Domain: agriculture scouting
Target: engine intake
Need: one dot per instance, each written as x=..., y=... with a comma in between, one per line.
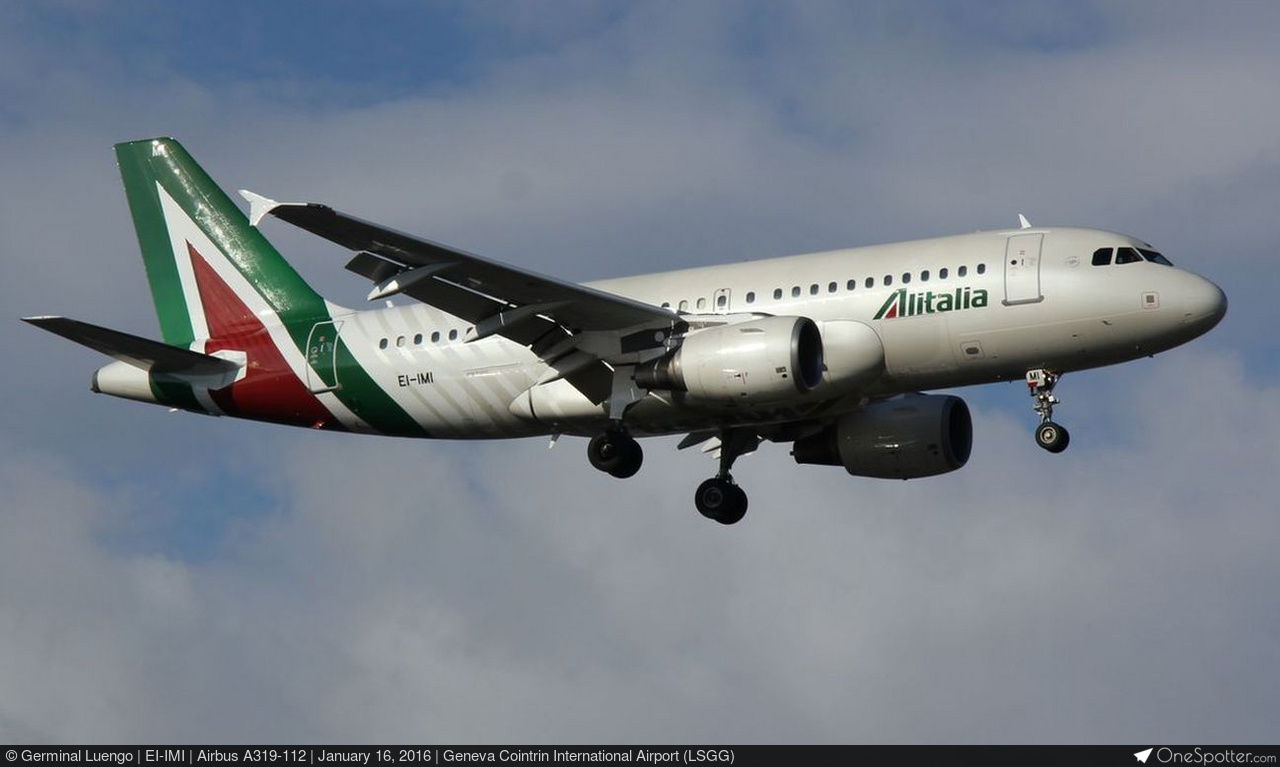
x=916, y=435
x=768, y=359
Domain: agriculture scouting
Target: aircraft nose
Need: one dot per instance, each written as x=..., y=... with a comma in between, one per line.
x=1204, y=304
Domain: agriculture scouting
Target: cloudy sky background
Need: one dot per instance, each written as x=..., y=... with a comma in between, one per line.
x=168, y=577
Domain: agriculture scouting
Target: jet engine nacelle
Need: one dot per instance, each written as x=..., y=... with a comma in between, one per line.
x=769, y=359
x=915, y=435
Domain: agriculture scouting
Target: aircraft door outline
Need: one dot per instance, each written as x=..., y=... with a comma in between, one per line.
x=1022, y=269
x=721, y=300
x=322, y=357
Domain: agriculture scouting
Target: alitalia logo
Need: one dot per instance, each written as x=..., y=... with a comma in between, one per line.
x=900, y=303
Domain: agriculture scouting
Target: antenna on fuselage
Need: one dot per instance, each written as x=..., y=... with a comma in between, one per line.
x=1023, y=222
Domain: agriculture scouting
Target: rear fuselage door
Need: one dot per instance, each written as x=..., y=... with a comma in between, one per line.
x=1022, y=269
x=322, y=357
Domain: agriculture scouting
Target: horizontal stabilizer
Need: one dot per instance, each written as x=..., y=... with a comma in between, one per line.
x=140, y=352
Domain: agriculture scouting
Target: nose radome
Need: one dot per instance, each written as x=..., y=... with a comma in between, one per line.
x=1204, y=304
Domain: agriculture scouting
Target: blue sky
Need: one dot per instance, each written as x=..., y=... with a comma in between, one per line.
x=321, y=587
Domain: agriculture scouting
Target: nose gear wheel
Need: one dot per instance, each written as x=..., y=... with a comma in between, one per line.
x=1049, y=435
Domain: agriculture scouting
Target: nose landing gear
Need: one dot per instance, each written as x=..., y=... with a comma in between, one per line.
x=1049, y=435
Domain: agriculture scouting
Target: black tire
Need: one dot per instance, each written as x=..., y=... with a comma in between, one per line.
x=720, y=500
x=615, y=453
x=632, y=459
x=1052, y=437
x=737, y=509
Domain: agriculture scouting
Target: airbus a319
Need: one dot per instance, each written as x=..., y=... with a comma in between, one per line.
x=830, y=352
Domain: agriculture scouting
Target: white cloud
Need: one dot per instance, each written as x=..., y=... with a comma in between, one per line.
x=451, y=592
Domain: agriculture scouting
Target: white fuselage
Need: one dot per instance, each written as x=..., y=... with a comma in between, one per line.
x=969, y=309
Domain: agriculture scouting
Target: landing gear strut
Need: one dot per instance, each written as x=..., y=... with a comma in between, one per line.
x=1049, y=435
x=616, y=453
x=720, y=498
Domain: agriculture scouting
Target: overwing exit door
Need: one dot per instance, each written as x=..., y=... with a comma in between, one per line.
x=720, y=301
x=1022, y=269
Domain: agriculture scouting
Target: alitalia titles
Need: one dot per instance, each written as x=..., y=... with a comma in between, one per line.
x=900, y=303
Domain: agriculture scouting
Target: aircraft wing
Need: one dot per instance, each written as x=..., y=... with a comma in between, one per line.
x=497, y=297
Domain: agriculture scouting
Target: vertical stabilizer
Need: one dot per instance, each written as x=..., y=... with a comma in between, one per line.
x=211, y=273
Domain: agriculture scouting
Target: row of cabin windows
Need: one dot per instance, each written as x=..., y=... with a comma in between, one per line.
x=722, y=300
x=418, y=339
x=1102, y=256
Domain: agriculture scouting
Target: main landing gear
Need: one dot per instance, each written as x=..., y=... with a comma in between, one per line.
x=720, y=498
x=1049, y=435
x=616, y=453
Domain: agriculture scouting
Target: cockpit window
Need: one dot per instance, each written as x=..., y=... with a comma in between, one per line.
x=1102, y=257
x=1155, y=257
x=1127, y=256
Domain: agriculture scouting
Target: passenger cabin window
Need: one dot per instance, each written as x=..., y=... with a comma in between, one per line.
x=382, y=344
x=833, y=287
x=777, y=294
x=795, y=292
x=906, y=277
x=453, y=334
x=702, y=303
x=924, y=276
x=1155, y=257
x=813, y=289
x=721, y=300
x=1102, y=257
x=435, y=337
x=942, y=273
x=1127, y=256
x=870, y=283
x=982, y=268
x=962, y=271
x=400, y=341
x=751, y=296
x=666, y=304
x=888, y=280
x=851, y=285
x=684, y=305
x=417, y=340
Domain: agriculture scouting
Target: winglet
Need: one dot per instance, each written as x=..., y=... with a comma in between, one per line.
x=1022, y=220
x=259, y=206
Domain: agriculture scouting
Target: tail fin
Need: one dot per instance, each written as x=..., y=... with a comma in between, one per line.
x=211, y=273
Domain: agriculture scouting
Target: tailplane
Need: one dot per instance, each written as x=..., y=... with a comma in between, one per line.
x=144, y=368
x=141, y=353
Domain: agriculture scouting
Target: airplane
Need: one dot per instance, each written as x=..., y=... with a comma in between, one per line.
x=831, y=352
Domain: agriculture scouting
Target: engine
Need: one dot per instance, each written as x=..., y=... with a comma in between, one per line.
x=915, y=435
x=768, y=359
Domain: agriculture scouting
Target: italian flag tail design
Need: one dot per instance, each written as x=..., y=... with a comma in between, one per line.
x=220, y=286
x=184, y=220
